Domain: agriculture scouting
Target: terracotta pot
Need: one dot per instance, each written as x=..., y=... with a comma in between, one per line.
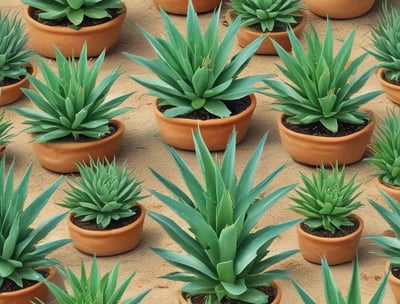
x=12, y=92
x=107, y=242
x=391, y=90
x=61, y=157
x=339, y=9
x=336, y=250
x=394, y=283
x=177, y=132
x=180, y=7
x=246, y=35
x=314, y=150
x=393, y=191
x=42, y=38
x=277, y=299
x=29, y=294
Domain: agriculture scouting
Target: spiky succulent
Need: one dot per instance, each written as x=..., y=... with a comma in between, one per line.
x=386, y=149
x=321, y=85
x=270, y=15
x=13, y=57
x=385, y=42
x=5, y=128
x=104, y=192
x=22, y=247
x=225, y=256
x=92, y=287
x=195, y=72
x=332, y=292
x=326, y=200
x=74, y=10
x=70, y=103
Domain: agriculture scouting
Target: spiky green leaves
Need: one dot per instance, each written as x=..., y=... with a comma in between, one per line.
x=197, y=72
x=74, y=10
x=104, y=192
x=5, y=130
x=321, y=86
x=225, y=257
x=70, y=102
x=326, y=200
x=271, y=15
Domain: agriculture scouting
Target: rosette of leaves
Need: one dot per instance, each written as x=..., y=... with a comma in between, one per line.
x=224, y=256
x=5, y=130
x=13, y=57
x=385, y=39
x=326, y=200
x=23, y=249
x=196, y=72
x=321, y=86
x=92, y=287
x=270, y=15
x=74, y=10
x=386, y=149
x=69, y=102
x=104, y=192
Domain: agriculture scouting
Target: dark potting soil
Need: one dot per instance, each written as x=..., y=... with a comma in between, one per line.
x=346, y=230
x=9, y=285
x=114, y=224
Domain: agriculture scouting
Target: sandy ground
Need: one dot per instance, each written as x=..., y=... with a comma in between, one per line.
x=143, y=148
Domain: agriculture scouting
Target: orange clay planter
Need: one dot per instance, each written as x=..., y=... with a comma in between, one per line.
x=314, y=150
x=107, y=242
x=42, y=38
x=180, y=7
x=12, y=92
x=394, y=283
x=277, y=300
x=336, y=250
x=61, y=156
x=391, y=90
x=177, y=132
x=29, y=294
x=339, y=9
x=393, y=191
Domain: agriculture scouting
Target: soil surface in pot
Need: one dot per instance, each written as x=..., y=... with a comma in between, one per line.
x=114, y=224
x=9, y=81
x=9, y=286
x=396, y=272
x=346, y=230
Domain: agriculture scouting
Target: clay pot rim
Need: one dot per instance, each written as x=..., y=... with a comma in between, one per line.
x=381, y=182
x=334, y=240
x=327, y=139
x=209, y=122
x=381, y=78
x=23, y=80
x=68, y=30
x=96, y=233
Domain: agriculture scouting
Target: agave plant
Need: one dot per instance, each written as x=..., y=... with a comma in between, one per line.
x=196, y=72
x=385, y=39
x=104, y=192
x=70, y=103
x=270, y=15
x=225, y=258
x=74, y=10
x=321, y=85
x=326, y=200
x=13, y=57
x=5, y=130
x=92, y=287
x=386, y=149
x=22, y=246
x=332, y=292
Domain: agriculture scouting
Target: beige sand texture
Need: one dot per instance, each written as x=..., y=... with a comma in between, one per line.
x=143, y=148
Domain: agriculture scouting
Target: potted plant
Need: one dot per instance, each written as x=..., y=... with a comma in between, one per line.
x=23, y=248
x=385, y=38
x=269, y=18
x=92, y=287
x=69, y=24
x=73, y=121
x=105, y=215
x=180, y=7
x=321, y=121
x=225, y=257
x=385, y=154
x=198, y=86
x=332, y=292
x=5, y=132
x=15, y=60
x=389, y=243
x=339, y=9
x=330, y=229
